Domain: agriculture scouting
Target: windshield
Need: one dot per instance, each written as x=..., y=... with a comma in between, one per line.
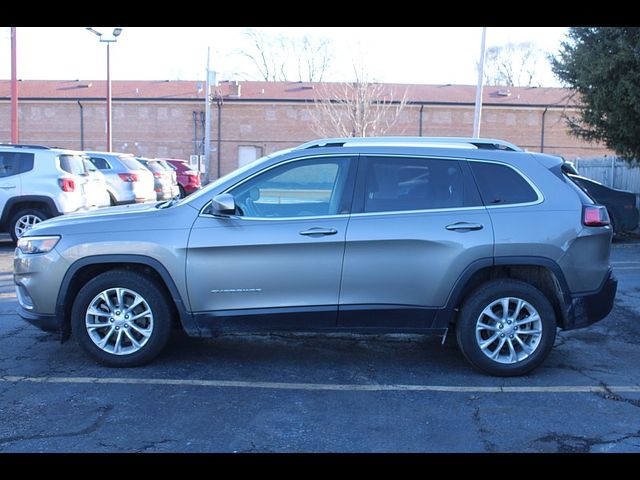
x=72, y=164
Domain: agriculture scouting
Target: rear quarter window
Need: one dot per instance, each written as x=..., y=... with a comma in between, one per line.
x=131, y=163
x=100, y=163
x=501, y=185
x=72, y=164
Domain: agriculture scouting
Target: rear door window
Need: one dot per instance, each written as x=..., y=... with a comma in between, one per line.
x=501, y=185
x=398, y=184
x=13, y=163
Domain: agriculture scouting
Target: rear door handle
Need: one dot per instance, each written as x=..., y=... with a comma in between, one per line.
x=7, y=187
x=464, y=226
x=318, y=232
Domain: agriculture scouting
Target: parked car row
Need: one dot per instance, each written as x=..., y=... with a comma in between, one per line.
x=39, y=182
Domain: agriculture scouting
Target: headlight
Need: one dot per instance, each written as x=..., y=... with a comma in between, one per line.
x=41, y=244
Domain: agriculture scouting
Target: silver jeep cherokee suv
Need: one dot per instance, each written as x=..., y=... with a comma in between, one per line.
x=366, y=235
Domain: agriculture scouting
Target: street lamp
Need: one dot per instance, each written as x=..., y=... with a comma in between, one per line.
x=108, y=41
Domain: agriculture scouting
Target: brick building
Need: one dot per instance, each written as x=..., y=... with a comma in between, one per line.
x=166, y=118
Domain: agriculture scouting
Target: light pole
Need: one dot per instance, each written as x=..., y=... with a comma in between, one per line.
x=108, y=41
x=478, y=110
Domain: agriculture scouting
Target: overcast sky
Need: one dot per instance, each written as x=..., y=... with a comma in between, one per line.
x=404, y=55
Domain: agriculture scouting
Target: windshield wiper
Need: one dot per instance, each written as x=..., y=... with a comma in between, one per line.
x=168, y=203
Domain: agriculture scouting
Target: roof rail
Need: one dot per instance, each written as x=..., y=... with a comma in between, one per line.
x=440, y=142
x=19, y=145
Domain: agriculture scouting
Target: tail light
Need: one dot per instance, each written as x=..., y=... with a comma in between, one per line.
x=128, y=177
x=67, y=184
x=595, y=216
x=157, y=174
x=194, y=178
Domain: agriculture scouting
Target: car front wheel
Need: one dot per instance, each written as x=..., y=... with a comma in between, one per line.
x=121, y=319
x=506, y=328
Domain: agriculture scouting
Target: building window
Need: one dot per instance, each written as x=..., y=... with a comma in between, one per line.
x=247, y=154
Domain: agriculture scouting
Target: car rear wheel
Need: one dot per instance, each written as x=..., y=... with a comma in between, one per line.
x=121, y=319
x=506, y=328
x=23, y=220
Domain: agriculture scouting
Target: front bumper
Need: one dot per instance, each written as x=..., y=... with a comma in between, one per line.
x=48, y=323
x=587, y=309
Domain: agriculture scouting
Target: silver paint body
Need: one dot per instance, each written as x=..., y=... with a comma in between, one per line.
x=404, y=258
x=126, y=192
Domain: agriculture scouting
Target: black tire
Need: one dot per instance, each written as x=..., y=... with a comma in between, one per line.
x=152, y=295
x=112, y=200
x=484, y=296
x=22, y=213
x=182, y=191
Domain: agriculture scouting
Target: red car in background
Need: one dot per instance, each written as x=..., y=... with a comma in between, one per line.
x=188, y=179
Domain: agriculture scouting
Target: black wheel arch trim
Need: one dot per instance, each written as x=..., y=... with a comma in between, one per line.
x=186, y=319
x=13, y=201
x=446, y=315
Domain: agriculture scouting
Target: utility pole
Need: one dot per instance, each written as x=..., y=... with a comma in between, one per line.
x=207, y=123
x=14, y=90
x=478, y=110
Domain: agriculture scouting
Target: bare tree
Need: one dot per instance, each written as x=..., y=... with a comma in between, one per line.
x=281, y=58
x=314, y=57
x=357, y=109
x=512, y=64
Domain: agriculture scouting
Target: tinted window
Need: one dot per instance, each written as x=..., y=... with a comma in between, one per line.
x=165, y=165
x=501, y=185
x=154, y=167
x=297, y=189
x=72, y=164
x=131, y=163
x=400, y=184
x=90, y=167
x=13, y=163
x=101, y=163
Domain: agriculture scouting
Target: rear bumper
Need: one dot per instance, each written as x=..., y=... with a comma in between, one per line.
x=587, y=309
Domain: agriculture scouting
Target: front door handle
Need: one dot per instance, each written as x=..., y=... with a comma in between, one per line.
x=464, y=226
x=319, y=232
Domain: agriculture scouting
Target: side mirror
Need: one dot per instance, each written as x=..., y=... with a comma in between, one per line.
x=223, y=204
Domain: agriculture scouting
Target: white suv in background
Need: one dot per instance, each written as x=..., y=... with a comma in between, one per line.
x=37, y=183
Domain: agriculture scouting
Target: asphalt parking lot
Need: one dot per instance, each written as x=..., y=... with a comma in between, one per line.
x=308, y=393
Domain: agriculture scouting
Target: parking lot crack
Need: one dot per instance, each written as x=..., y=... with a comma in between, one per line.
x=13, y=332
x=152, y=445
x=103, y=412
x=483, y=432
x=608, y=394
x=581, y=444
